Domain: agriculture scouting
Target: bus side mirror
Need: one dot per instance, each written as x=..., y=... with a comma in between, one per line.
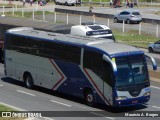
x=113, y=64
x=154, y=64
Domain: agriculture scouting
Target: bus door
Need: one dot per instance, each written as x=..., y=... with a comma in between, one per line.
x=98, y=73
x=109, y=70
x=107, y=81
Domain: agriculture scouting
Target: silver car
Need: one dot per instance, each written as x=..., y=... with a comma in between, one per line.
x=128, y=16
x=154, y=47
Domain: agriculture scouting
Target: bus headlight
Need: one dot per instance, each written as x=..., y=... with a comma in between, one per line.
x=147, y=94
x=121, y=98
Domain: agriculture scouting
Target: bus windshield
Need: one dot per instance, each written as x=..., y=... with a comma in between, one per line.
x=132, y=70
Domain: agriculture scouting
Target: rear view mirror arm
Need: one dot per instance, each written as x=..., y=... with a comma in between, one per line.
x=154, y=64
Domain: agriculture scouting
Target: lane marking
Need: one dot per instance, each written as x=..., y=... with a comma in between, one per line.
x=155, y=87
x=25, y=93
x=102, y=115
x=19, y=109
x=61, y=103
x=1, y=85
x=156, y=107
x=46, y=118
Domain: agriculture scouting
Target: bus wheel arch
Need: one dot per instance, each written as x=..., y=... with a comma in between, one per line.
x=89, y=97
x=28, y=80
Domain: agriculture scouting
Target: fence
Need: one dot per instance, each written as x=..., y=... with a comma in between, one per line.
x=48, y=15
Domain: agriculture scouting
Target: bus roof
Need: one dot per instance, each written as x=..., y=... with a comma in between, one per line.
x=106, y=45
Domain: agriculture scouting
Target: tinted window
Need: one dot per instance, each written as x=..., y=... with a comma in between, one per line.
x=135, y=13
x=127, y=13
x=24, y=44
x=124, y=13
x=94, y=62
x=35, y=46
x=62, y=52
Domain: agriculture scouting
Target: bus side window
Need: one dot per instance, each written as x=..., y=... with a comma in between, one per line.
x=23, y=44
x=63, y=52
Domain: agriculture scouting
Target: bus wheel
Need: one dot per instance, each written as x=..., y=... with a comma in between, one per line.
x=28, y=81
x=89, y=98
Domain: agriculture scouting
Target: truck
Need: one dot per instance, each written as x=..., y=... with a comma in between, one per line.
x=91, y=29
x=66, y=2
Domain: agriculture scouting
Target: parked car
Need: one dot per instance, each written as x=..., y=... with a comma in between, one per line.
x=154, y=47
x=128, y=16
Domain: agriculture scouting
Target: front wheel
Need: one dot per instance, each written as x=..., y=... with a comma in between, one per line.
x=128, y=21
x=115, y=20
x=89, y=98
x=150, y=50
x=28, y=81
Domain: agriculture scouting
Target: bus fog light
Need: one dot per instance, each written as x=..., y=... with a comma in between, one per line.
x=121, y=98
x=147, y=94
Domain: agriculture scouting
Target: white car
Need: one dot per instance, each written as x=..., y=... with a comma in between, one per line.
x=154, y=47
x=128, y=16
x=91, y=29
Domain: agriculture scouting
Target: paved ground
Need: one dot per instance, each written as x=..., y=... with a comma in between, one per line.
x=147, y=12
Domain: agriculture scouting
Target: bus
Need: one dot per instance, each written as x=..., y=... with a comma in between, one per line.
x=95, y=69
x=91, y=29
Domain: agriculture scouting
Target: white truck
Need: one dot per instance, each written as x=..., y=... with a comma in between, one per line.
x=66, y=2
x=92, y=30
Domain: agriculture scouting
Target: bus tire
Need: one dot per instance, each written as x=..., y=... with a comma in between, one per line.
x=89, y=98
x=28, y=81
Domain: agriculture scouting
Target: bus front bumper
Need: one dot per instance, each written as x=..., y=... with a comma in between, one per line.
x=131, y=101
